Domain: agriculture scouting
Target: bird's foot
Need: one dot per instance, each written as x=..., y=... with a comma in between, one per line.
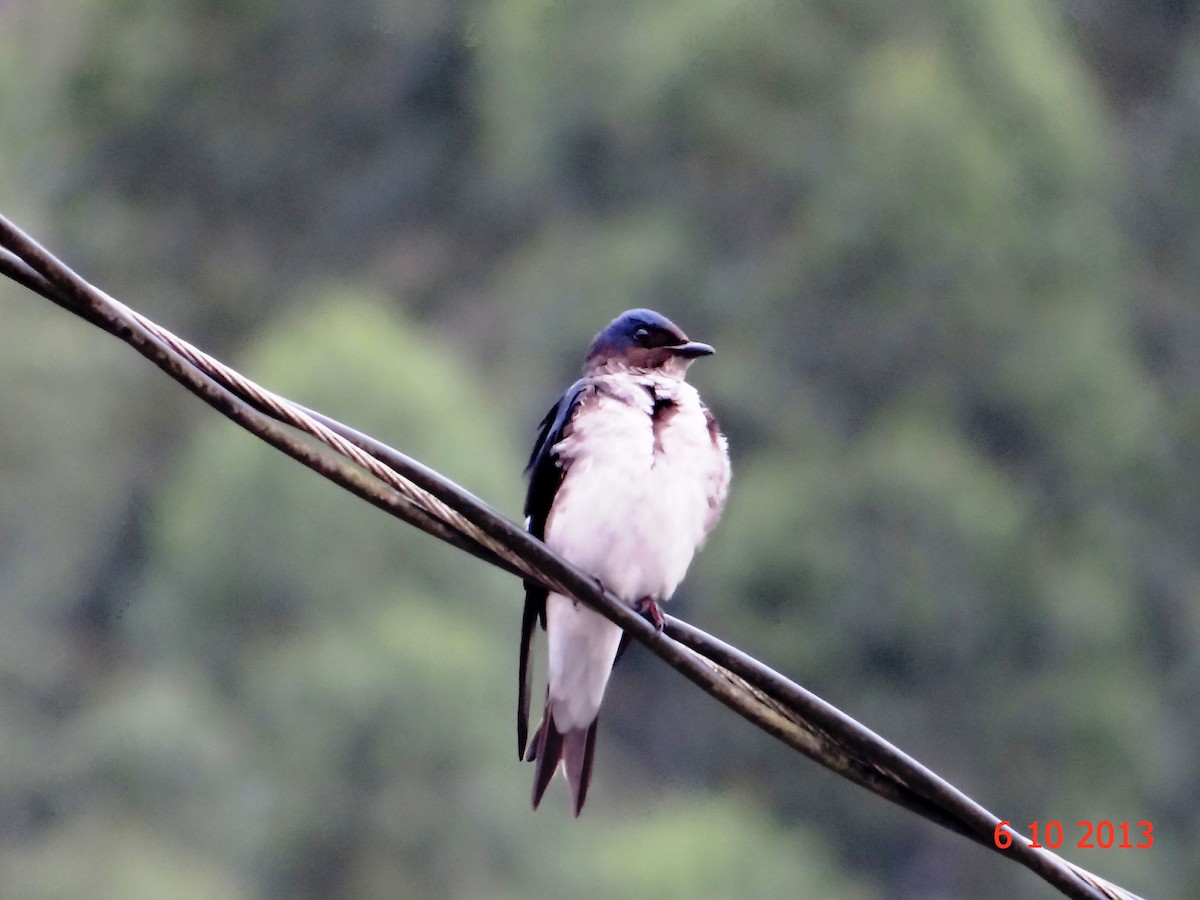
x=648, y=607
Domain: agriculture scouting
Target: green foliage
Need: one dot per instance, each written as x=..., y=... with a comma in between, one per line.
x=709, y=847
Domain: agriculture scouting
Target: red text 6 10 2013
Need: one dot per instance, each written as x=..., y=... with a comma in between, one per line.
x=1103, y=834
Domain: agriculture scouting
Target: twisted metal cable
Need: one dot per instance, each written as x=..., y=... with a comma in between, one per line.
x=292, y=414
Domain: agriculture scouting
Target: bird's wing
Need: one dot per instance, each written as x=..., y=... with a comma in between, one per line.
x=545, y=476
x=718, y=475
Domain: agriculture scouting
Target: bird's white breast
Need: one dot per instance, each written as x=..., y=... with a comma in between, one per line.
x=640, y=491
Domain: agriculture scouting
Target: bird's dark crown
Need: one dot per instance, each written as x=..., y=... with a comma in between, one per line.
x=642, y=338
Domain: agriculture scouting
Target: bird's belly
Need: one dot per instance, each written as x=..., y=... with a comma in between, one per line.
x=632, y=520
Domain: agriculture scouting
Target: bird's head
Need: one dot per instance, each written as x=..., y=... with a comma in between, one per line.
x=643, y=339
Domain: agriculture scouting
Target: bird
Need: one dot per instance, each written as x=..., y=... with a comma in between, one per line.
x=628, y=475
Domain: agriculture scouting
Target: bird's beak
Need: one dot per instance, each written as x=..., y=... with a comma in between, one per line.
x=692, y=349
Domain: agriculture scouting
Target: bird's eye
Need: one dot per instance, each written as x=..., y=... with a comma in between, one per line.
x=641, y=334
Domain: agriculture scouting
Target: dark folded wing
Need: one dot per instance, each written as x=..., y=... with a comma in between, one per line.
x=545, y=476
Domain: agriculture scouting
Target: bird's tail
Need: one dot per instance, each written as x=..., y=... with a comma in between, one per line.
x=573, y=748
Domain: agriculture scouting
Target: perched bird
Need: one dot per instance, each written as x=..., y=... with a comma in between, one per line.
x=627, y=477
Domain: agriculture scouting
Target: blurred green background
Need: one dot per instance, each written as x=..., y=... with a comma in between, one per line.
x=947, y=251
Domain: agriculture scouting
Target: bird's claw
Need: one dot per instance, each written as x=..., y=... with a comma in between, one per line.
x=648, y=607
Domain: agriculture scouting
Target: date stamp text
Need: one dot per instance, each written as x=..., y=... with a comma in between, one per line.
x=1103, y=834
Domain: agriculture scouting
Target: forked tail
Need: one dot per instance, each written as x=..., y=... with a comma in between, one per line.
x=573, y=748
